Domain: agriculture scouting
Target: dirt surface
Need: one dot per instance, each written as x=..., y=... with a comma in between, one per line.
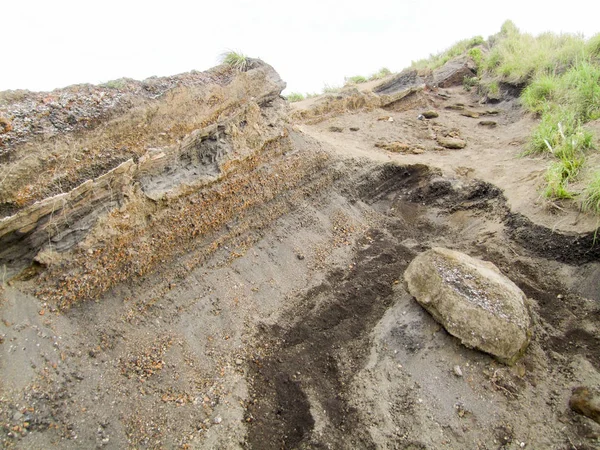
x=296, y=330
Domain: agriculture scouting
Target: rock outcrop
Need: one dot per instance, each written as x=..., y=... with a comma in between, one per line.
x=217, y=172
x=473, y=300
x=405, y=84
x=235, y=130
x=454, y=72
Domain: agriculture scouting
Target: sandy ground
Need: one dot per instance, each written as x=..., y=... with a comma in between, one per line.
x=300, y=333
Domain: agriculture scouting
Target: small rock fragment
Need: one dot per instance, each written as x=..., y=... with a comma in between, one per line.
x=471, y=114
x=395, y=146
x=217, y=420
x=5, y=125
x=457, y=371
x=451, y=142
x=354, y=128
x=430, y=114
x=586, y=401
x=335, y=129
x=488, y=123
x=456, y=107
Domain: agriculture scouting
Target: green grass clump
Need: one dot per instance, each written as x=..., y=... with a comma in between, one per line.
x=120, y=83
x=591, y=195
x=542, y=90
x=518, y=58
x=327, y=89
x=357, y=79
x=476, y=55
x=458, y=49
x=295, y=97
x=581, y=90
x=557, y=182
x=593, y=46
x=469, y=82
x=236, y=60
x=382, y=73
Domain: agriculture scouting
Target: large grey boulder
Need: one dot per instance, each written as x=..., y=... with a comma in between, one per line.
x=473, y=300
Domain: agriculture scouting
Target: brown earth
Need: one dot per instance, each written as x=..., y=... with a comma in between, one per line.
x=244, y=289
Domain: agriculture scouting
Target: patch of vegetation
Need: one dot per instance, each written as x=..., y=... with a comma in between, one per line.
x=469, y=83
x=295, y=97
x=120, y=83
x=328, y=89
x=593, y=46
x=357, y=79
x=476, y=55
x=382, y=73
x=557, y=182
x=591, y=195
x=236, y=60
x=458, y=49
x=542, y=90
x=518, y=58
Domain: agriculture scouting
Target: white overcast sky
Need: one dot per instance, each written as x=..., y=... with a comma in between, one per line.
x=54, y=43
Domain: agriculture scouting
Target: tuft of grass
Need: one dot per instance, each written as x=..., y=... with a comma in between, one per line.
x=593, y=46
x=542, y=90
x=295, y=97
x=557, y=185
x=509, y=28
x=357, y=79
x=120, y=83
x=476, y=55
x=494, y=88
x=236, y=60
x=458, y=49
x=328, y=89
x=591, y=195
x=469, y=83
x=382, y=73
x=519, y=58
x=581, y=90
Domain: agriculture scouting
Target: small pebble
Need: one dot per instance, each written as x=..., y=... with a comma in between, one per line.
x=457, y=371
x=217, y=420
